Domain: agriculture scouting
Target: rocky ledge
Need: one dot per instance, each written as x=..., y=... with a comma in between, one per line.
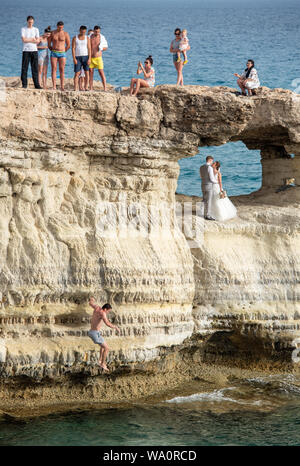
x=88, y=207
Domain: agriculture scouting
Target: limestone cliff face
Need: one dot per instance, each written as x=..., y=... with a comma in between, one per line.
x=80, y=171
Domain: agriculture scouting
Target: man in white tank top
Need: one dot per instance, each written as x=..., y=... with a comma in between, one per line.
x=81, y=50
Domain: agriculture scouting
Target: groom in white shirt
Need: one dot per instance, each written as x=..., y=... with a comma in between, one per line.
x=208, y=180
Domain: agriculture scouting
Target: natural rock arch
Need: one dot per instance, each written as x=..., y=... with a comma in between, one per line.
x=237, y=162
x=269, y=122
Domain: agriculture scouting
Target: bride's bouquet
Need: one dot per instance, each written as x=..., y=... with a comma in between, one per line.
x=223, y=194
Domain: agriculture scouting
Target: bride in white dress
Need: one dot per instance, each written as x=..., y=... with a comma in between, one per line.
x=221, y=207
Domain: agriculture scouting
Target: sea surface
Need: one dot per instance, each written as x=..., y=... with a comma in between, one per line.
x=258, y=411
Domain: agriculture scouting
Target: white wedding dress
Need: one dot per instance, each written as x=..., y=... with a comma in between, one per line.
x=221, y=209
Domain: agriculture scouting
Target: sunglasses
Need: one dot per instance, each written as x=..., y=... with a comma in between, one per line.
x=177, y=33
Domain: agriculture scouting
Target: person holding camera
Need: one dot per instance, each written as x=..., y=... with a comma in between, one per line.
x=149, y=76
x=248, y=80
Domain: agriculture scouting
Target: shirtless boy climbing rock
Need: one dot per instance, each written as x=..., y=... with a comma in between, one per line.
x=99, y=316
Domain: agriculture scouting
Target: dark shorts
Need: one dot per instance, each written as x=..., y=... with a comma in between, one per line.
x=96, y=337
x=81, y=63
x=175, y=57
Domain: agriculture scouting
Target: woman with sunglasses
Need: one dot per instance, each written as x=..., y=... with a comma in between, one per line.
x=174, y=49
x=149, y=76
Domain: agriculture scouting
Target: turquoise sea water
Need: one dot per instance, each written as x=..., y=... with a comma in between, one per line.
x=255, y=411
x=261, y=412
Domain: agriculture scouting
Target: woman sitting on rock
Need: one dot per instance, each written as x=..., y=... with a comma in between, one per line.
x=249, y=79
x=149, y=76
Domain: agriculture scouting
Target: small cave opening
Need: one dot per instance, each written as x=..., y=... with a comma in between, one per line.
x=240, y=167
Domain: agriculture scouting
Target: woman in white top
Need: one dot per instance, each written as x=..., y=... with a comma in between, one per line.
x=222, y=208
x=149, y=77
x=248, y=80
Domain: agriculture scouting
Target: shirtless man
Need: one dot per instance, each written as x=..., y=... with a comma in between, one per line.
x=99, y=316
x=59, y=43
x=98, y=45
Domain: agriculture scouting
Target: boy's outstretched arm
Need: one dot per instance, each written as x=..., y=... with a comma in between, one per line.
x=109, y=324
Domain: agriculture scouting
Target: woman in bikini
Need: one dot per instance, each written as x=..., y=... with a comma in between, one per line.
x=149, y=76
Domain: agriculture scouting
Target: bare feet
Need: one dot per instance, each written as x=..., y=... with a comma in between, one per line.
x=104, y=367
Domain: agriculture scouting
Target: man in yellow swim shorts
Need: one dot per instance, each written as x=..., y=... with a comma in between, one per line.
x=98, y=45
x=97, y=63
